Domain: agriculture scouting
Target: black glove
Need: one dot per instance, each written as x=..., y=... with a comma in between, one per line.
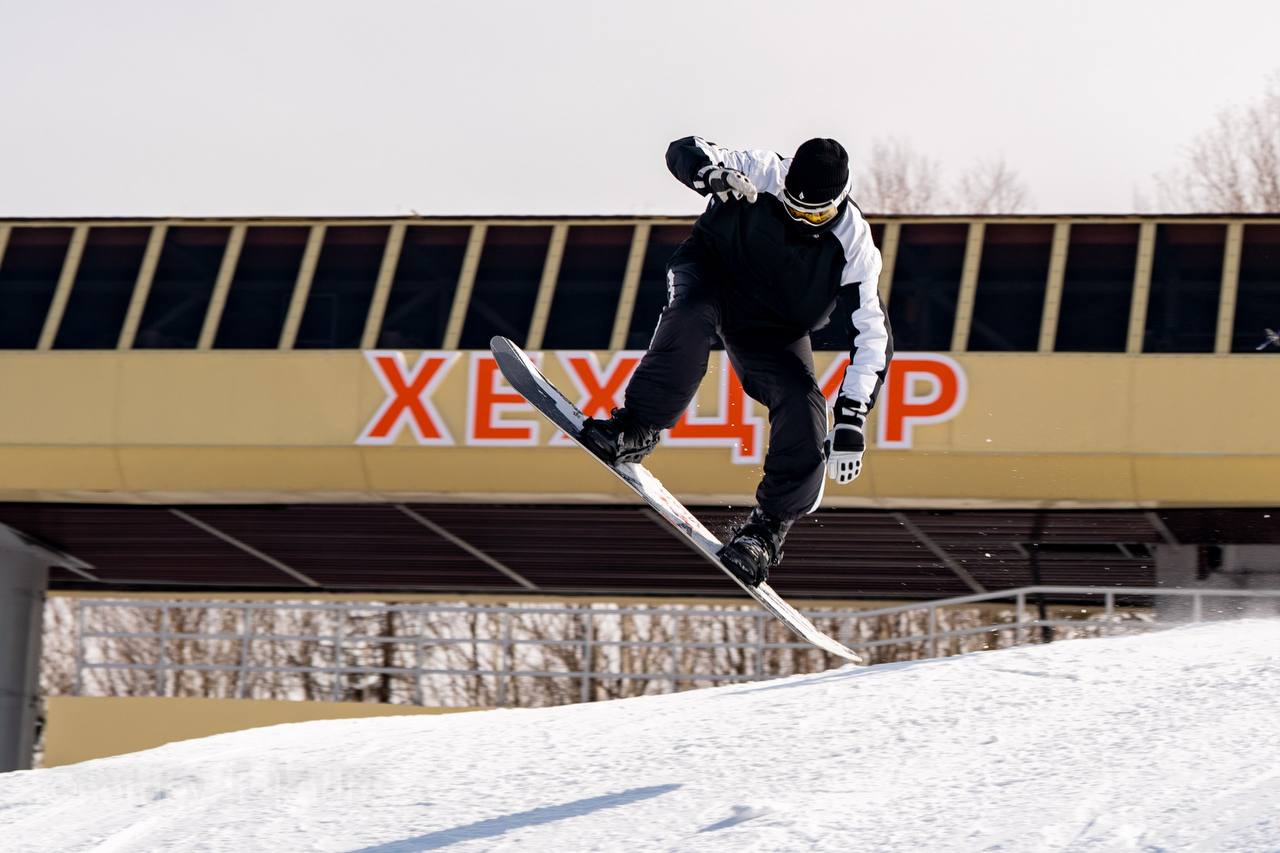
x=724, y=182
x=845, y=442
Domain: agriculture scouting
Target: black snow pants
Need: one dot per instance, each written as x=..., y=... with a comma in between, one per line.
x=776, y=369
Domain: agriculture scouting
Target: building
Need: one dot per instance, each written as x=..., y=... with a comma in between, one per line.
x=307, y=405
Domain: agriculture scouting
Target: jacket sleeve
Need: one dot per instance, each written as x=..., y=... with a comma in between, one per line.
x=858, y=300
x=691, y=157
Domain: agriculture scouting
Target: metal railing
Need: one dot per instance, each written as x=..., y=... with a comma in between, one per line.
x=594, y=647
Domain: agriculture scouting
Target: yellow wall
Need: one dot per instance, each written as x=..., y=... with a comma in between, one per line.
x=225, y=426
x=79, y=728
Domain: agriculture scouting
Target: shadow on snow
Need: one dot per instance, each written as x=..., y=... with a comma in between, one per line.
x=844, y=673
x=500, y=825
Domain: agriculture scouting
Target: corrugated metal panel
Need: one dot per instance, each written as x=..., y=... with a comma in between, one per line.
x=1221, y=526
x=578, y=547
x=140, y=545
x=362, y=545
x=993, y=546
x=864, y=553
x=603, y=549
x=1048, y=526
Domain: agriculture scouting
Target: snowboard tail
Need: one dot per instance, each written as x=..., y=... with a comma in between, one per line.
x=524, y=376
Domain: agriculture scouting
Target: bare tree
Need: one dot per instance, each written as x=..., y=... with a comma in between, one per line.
x=518, y=656
x=990, y=186
x=58, y=662
x=898, y=179
x=1234, y=166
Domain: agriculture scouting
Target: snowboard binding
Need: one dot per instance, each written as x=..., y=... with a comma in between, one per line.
x=755, y=547
x=620, y=438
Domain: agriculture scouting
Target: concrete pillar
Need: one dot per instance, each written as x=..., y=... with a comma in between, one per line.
x=1221, y=567
x=24, y=577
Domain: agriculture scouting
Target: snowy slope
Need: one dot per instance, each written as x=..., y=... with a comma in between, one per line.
x=1168, y=741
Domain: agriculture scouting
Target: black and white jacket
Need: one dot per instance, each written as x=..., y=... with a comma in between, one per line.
x=783, y=275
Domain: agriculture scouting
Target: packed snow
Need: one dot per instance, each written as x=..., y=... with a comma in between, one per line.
x=1165, y=741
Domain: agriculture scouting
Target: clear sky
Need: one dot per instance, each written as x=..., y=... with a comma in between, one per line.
x=560, y=106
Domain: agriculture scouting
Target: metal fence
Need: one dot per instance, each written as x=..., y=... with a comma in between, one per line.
x=590, y=651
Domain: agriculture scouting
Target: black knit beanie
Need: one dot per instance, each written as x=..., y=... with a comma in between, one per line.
x=819, y=172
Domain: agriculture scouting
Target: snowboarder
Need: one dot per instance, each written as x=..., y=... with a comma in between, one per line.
x=778, y=250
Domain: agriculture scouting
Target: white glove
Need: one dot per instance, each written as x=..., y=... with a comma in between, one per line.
x=845, y=443
x=724, y=182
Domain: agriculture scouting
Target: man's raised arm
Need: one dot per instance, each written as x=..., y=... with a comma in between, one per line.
x=709, y=169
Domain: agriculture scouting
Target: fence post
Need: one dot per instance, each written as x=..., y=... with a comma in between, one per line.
x=760, y=629
x=242, y=673
x=933, y=631
x=1197, y=607
x=587, y=655
x=338, y=618
x=673, y=671
x=419, y=657
x=504, y=659
x=1019, y=635
x=79, y=619
x=846, y=630
x=161, y=678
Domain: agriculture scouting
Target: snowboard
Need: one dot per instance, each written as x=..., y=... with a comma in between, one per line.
x=523, y=375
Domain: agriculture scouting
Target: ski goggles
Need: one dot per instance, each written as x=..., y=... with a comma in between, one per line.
x=812, y=214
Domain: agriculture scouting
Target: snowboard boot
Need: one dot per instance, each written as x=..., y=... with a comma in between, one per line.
x=755, y=547
x=619, y=439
